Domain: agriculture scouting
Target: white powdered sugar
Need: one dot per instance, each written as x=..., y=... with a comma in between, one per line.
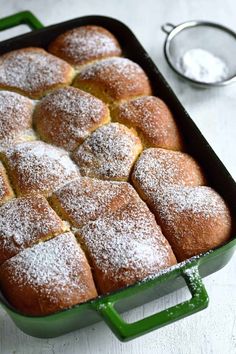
x=66, y=116
x=158, y=167
x=120, y=76
x=108, y=153
x=24, y=221
x=202, y=201
x=39, y=167
x=15, y=114
x=51, y=268
x=86, y=199
x=32, y=70
x=86, y=43
x=153, y=120
x=201, y=65
x=127, y=244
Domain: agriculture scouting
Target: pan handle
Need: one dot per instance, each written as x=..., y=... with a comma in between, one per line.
x=20, y=18
x=127, y=331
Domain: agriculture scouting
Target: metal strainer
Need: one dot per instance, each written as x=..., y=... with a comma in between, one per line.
x=214, y=38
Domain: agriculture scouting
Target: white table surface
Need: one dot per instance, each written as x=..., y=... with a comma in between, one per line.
x=212, y=331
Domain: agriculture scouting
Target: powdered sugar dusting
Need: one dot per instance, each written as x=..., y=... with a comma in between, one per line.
x=15, y=114
x=67, y=116
x=108, y=153
x=86, y=199
x=127, y=244
x=158, y=167
x=203, y=201
x=53, y=266
x=5, y=188
x=24, y=221
x=153, y=120
x=121, y=77
x=39, y=167
x=85, y=43
x=32, y=70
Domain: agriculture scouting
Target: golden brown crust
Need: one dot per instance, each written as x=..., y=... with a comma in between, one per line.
x=24, y=222
x=108, y=153
x=84, y=44
x=37, y=167
x=156, y=168
x=114, y=80
x=86, y=199
x=153, y=121
x=6, y=192
x=126, y=246
x=48, y=277
x=67, y=116
x=193, y=219
x=33, y=72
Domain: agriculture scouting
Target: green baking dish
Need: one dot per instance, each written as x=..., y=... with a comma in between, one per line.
x=189, y=272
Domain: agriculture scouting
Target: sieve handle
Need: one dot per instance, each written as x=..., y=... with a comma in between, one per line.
x=167, y=27
x=20, y=18
x=127, y=331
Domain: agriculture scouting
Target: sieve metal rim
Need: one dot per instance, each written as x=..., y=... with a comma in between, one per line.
x=172, y=30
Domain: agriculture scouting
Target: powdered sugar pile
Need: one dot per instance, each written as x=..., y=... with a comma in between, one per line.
x=203, y=66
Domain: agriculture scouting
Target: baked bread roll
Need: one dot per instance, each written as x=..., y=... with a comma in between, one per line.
x=85, y=44
x=33, y=72
x=113, y=80
x=6, y=192
x=37, y=167
x=48, y=277
x=152, y=120
x=86, y=199
x=156, y=168
x=125, y=247
x=15, y=117
x=67, y=116
x=108, y=153
x=193, y=219
x=25, y=221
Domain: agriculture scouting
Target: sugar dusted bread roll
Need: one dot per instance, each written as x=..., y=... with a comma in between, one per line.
x=26, y=221
x=33, y=72
x=67, y=116
x=15, y=117
x=6, y=192
x=86, y=199
x=37, y=167
x=85, y=44
x=108, y=153
x=153, y=121
x=125, y=247
x=114, y=80
x=156, y=168
x=193, y=219
x=48, y=277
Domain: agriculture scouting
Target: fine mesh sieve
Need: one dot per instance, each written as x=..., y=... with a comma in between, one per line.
x=212, y=37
